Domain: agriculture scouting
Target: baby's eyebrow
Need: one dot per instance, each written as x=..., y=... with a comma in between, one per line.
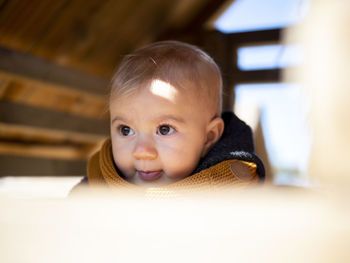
x=118, y=118
x=167, y=117
x=170, y=117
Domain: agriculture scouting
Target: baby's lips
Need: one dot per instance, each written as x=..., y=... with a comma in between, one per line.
x=150, y=175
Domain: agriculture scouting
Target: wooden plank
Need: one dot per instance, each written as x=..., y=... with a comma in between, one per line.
x=85, y=22
x=123, y=34
x=22, y=133
x=91, y=35
x=257, y=76
x=27, y=65
x=40, y=94
x=3, y=3
x=14, y=113
x=271, y=35
x=181, y=12
x=107, y=32
x=33, y=166
x=68, y=152
x=23, y=21
x=29, y=141
x=218, y=46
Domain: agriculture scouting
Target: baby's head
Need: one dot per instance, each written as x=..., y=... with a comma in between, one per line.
x=165, y=107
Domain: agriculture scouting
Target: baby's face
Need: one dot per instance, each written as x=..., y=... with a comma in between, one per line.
x=158, y=134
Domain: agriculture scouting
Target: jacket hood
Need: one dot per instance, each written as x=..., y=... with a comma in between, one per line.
x=236, y=142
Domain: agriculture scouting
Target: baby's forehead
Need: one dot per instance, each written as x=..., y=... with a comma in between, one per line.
x=190, y=91
x=182, y=93
x=159, y=86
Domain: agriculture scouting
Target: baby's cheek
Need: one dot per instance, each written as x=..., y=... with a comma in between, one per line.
x=121, y=147
x=125, y=166
x=181, y=164
x=121, y=156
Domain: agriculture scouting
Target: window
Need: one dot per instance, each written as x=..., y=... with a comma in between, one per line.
x=249, y=15
x=283, y=108
x=269, y=57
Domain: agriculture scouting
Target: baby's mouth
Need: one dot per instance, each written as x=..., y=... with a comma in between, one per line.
x=150, y=175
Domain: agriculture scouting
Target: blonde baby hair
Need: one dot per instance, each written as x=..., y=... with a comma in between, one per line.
x=179, y=64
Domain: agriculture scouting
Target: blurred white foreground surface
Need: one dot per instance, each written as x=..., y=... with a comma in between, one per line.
x=260, y=225
x=37, y=187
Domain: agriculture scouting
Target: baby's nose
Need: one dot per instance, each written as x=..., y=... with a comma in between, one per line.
x=145, y=150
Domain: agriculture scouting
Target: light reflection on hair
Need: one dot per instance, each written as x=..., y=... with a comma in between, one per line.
x=163, y=89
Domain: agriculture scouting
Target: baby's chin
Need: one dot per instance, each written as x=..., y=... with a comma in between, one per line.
x=150, y=179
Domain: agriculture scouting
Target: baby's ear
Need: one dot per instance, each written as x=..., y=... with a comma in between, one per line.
x=214, y=131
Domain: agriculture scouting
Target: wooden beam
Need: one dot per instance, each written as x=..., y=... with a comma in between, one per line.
x=271, y=35
x=33, y=166
x=15, y=113
x=46, y=95
x=23, y=133
x=192, y=30
x=27, y=65
x=67, y=152
x=257, y=76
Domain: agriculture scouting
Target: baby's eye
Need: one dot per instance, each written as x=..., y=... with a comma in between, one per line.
x=125, y=130
x=165, y=130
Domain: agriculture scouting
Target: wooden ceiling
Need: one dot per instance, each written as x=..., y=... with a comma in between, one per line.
x=92, y=35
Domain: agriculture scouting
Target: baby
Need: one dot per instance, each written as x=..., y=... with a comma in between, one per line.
x=167, y=129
